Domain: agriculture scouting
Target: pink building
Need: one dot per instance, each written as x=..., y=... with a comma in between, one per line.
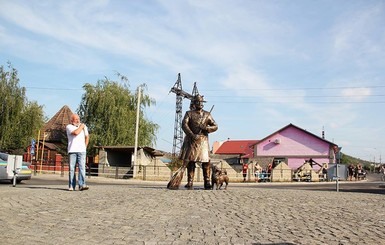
x=294, y=145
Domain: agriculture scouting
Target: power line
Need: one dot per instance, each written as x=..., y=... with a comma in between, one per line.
x=246, y=89
x=47, y=88
x=305, y=102
x=64, y=89
x=297, y=96
x=304, y=88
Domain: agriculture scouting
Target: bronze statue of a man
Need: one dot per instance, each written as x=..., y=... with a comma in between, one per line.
x=197, y=124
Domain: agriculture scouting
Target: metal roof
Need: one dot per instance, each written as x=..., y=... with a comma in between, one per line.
x=239, y=147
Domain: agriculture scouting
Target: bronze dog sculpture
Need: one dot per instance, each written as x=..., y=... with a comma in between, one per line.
x=219, y=177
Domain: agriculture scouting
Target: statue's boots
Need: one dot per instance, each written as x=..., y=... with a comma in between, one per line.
x=190, y=175
x=206, y=168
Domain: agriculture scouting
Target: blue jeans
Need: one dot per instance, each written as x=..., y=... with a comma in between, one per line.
x=80, y=159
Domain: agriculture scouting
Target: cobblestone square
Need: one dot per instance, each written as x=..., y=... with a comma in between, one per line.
x=151, y=214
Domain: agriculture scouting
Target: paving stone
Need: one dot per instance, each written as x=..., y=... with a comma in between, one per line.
x=152, y=215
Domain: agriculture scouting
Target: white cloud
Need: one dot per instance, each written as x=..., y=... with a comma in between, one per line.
x=356, y=37
x=356, y=94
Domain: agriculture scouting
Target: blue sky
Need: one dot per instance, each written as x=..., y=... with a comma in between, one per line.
x=263, y=64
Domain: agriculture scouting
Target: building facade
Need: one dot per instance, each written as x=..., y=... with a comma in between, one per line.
x=294, y=146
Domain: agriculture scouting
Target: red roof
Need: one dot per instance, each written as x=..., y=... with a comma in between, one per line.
x=238, y=147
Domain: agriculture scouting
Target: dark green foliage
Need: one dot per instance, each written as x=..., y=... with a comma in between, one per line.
x=175, y=163
x=20, y=119
x=346, y=159
x=109, y=110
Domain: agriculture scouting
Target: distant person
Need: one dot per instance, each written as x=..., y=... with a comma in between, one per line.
x=325, y=171
x=359, y=172
x=78, y=138
x=269, y=168
x=350, y=172
x=257, y=172
x=245, y=167
x=382, y=171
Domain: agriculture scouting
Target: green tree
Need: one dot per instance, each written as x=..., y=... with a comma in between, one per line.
x=175, y=163
x=19, y=118
x=109, y=110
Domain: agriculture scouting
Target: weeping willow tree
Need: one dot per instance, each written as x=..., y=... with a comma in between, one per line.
x=109, y=110
x=20, y=119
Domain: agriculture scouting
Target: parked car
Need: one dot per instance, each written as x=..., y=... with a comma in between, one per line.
x=24, y=174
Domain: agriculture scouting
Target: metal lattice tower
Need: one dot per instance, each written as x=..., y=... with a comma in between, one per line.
x=195, y=90
x=180, y=95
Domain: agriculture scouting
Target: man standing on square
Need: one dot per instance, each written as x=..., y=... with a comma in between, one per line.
x=78, y=138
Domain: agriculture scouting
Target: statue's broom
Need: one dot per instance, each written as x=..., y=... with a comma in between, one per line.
x=177, y=177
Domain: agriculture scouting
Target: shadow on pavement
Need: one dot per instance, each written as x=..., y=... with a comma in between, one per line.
x=283, y=243
x=46, y=188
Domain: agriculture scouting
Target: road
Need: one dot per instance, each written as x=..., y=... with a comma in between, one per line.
x=373, y=184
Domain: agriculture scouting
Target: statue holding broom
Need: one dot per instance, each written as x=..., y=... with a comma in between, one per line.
x=197, y=124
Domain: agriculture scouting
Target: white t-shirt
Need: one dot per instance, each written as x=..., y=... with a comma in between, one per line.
x=76, y=143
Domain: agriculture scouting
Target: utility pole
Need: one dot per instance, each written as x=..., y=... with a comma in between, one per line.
x=136, y=133
x=338, y=156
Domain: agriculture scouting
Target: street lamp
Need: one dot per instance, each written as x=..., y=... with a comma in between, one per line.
x=379, y=151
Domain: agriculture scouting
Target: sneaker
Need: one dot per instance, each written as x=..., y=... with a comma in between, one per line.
x=70, y=189
x=83, y=188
